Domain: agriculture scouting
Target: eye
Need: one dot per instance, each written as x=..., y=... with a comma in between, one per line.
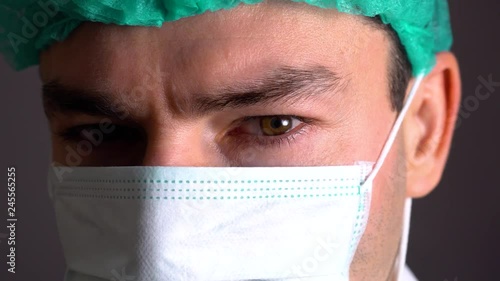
x=269, y=125
x=272, y=126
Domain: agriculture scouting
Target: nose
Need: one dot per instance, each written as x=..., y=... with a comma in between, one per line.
x=187, y=148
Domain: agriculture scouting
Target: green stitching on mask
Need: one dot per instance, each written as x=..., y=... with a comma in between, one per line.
x=144, y=189
x=114, y=181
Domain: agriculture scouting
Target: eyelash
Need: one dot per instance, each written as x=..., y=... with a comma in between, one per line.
x=277, y=141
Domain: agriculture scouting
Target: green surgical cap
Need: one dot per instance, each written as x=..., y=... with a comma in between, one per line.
x=29, y=26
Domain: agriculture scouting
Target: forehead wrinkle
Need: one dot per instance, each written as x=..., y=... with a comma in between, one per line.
x=213, y=62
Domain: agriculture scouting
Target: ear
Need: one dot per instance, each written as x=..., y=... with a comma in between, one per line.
x=429, y=126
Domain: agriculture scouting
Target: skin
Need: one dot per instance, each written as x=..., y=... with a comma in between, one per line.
x=205, y=53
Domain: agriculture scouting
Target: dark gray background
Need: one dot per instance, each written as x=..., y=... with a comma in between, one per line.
x=455, y=232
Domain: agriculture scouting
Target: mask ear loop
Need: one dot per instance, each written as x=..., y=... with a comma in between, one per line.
x=401, y=260
x=395, y=129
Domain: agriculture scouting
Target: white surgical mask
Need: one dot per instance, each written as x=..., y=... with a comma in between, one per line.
x=205, y=223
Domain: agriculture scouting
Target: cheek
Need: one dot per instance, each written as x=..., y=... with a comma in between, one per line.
x=388, y=197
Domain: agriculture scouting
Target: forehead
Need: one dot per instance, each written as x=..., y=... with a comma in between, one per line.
x=215, y=47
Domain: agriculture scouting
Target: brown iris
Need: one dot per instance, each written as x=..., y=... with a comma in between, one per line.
x=275, y=125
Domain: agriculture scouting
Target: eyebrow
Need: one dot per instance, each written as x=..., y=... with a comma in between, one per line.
x=285, y=84
x=64, y=99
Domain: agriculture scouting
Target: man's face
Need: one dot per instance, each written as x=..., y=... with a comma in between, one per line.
x=266, y=85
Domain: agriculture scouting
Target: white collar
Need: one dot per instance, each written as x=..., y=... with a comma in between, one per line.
x=407, y=275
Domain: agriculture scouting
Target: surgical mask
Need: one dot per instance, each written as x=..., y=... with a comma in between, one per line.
x=207, y=223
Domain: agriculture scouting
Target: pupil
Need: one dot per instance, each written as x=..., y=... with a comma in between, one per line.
x=272, y=126
x=276, y=123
